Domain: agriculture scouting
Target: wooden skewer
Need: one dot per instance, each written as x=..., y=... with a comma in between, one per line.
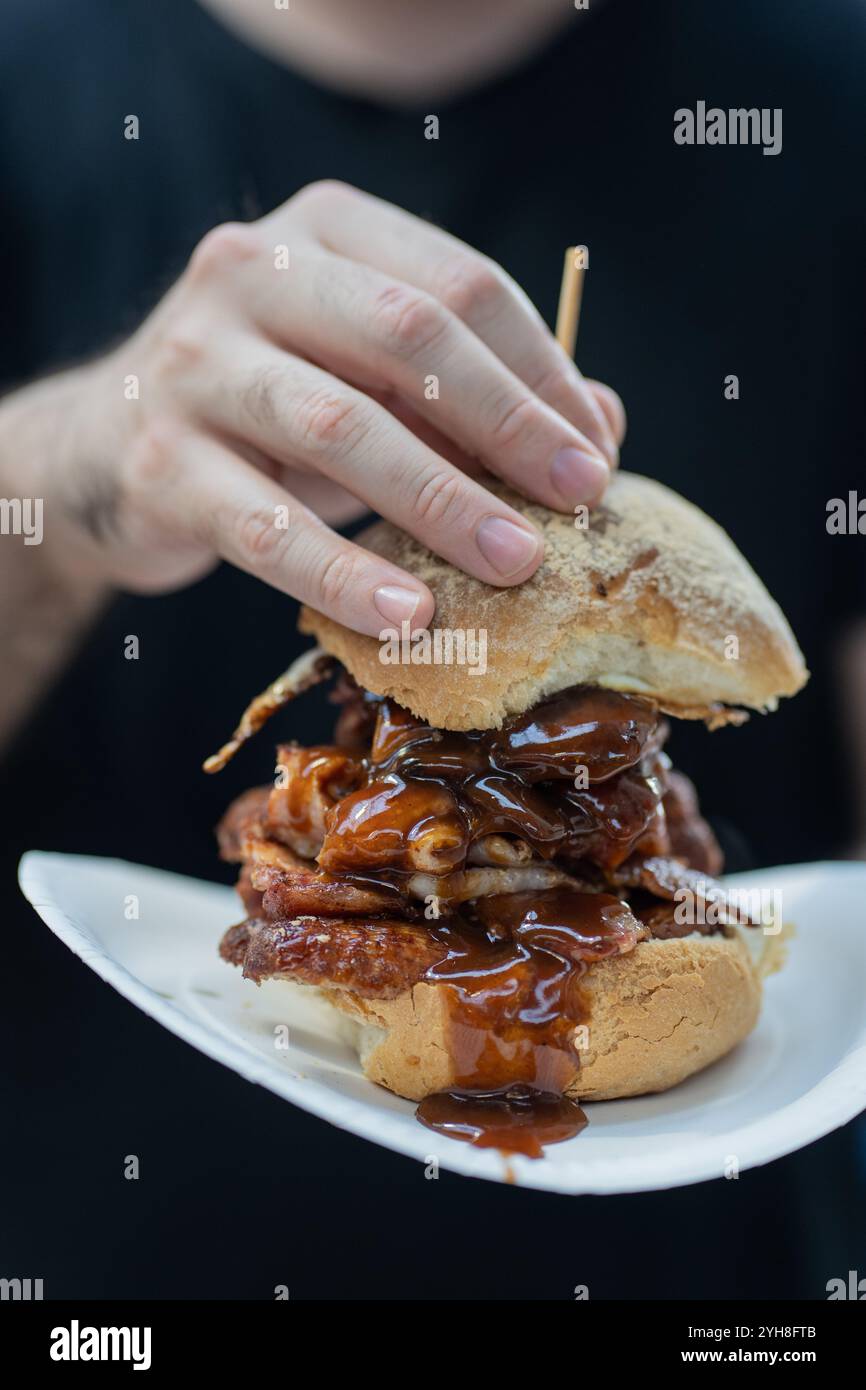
x=570, y=294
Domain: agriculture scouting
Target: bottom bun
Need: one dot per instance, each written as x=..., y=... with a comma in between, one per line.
x=654, y=1017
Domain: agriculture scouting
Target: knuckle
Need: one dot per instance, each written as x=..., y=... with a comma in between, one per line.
x=577, y=399
x=472, y=288
x=512, y=421
x=555, y=383
x=179, y=349
x=440, y=499
x=406, y=322
x=262, y=397
x=261, y=541
x=324, y=191
x=337, y=579
x=223, y=247
x=328, y=421
x=154, y=456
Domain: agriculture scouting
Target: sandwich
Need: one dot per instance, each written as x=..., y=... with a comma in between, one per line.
x=493, y=875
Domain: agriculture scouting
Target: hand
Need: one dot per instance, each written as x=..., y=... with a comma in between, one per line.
x=380, y=370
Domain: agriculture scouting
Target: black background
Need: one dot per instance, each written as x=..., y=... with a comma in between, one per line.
x=703, y=262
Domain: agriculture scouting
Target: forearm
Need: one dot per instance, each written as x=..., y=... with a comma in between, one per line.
x=49, y=592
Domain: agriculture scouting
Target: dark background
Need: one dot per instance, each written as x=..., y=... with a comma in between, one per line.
x=703, y=262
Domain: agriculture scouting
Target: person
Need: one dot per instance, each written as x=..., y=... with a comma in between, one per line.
x=254, y=405
x=271, y=267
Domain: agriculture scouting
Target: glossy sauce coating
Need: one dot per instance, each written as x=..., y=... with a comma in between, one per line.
x=512, y=967
x=512, y=977
x=451, y=789
x=578, y=781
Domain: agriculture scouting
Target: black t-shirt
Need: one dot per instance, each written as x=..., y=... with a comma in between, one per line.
x=705, y=262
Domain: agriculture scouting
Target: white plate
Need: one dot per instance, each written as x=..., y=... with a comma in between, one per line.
x=800, y=1074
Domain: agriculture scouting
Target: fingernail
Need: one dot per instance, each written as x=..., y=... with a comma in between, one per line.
x=508, y=548
x=579, y=477
x=396, y=604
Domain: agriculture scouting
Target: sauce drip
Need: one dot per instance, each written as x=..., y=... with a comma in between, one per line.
x=512, y=964
x=515, y=1121
x=512, y=980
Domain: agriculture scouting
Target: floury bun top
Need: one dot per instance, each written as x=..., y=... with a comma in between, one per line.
x=644, y=595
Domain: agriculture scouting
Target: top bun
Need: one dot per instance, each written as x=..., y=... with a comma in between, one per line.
x=643, y=596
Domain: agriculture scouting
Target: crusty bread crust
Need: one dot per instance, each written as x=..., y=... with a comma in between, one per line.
x=664, y=1011
x=645, y=600
x=654, y=1016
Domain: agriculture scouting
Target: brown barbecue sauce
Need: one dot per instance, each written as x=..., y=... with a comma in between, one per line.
x=512, y=971
x=518, y=1120
x=512, y=965
x=515, y=1013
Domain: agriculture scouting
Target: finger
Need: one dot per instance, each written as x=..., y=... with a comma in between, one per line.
x=473, y=286
x=355, y=320
x=302, y=416
x=195, y=487
x=328, y=500
x=611, y=404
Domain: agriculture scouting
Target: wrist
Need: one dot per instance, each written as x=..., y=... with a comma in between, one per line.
x=57, y=440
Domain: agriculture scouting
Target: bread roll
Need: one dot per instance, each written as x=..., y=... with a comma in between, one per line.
x=653, y=1017
x=651, y=598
